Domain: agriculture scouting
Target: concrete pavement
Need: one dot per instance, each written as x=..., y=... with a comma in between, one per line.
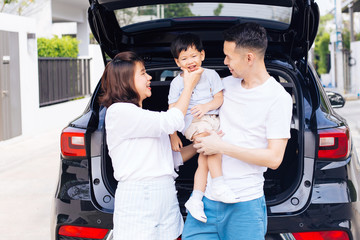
x=28, y=174
x=29, y=167
x=351, y=112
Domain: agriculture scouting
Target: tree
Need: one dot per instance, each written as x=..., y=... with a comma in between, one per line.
x=217, y=11
x=147, y=10
x=23, y=4
x=322, y=53
x=126, y=16
x=178, y=10
x=322, y=41
x=346, y=38
x=6, y=2
x=19, y=5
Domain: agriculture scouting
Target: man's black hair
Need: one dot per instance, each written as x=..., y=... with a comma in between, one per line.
x=183, y=41
x=247, y=35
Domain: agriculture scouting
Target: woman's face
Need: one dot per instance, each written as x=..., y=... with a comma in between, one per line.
x=142, y=82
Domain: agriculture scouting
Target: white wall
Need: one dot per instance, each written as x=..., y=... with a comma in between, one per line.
x=355, y=70
x=29, y=86
x=60, y=29
x=43, y=18
x=96, y=65
x=83, y=35
x=33, y=118
x=59, y=115
x=74, y=11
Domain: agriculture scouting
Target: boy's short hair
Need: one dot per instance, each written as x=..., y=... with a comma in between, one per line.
x=183, y=41
x=248, y=35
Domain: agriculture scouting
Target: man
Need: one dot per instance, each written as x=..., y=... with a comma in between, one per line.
x=255, y=118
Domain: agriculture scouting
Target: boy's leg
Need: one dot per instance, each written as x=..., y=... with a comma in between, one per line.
x=200, y=178
x=194, y=205
x=215, y=165
x=201, y=174
x=220, y=190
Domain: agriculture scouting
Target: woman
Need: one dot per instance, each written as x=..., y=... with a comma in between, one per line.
x=146, y=205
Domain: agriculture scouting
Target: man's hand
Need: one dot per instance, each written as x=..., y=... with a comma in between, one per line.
x=176, y=143
x=211, y=144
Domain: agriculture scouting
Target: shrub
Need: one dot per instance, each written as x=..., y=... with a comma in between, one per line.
x=58, y=47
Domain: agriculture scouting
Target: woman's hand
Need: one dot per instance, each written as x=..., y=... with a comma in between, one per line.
x=192, y=78
x=176, y=143
x=190, y=81
x=211, y=144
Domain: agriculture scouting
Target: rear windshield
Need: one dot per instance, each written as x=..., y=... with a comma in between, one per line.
x=183, y=10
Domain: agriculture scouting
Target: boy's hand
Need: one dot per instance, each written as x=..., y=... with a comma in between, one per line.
x=192, y=78
x=200, y=110
x=176, y=143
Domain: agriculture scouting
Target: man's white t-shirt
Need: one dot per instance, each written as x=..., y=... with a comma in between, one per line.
x=249, y=117
x=208, y=85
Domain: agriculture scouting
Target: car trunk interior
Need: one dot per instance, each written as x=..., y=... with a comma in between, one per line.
x=279, y=184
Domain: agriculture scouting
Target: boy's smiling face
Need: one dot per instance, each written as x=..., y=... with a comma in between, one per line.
x=191, y=59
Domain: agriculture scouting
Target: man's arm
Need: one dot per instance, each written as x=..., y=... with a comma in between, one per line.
x=270, y=157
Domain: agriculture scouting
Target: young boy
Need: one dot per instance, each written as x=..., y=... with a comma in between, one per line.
x=202, y=115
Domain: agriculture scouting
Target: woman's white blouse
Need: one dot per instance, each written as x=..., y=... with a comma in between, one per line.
x=139, y=144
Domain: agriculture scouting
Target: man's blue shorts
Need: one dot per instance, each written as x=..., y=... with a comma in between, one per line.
x=238, y=221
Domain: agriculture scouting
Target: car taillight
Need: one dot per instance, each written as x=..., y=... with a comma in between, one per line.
x=83, y=232
x=334, y=143
x=323, y=235
x=73, y=142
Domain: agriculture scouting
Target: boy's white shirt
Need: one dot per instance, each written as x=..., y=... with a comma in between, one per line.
x=248, y=117
x=209, y=84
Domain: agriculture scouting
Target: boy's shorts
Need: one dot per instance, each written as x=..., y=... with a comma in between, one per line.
x=240, y=221
x=207, y=122
x=147, y=210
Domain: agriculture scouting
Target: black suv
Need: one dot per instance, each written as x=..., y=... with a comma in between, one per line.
x=312, y=195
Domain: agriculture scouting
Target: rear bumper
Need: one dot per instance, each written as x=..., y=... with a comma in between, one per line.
x=78, y=213
x=317, y=217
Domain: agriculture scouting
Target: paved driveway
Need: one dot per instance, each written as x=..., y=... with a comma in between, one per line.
x=28, y=175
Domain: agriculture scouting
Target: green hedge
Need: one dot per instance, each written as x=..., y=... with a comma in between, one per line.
x=58, y=47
